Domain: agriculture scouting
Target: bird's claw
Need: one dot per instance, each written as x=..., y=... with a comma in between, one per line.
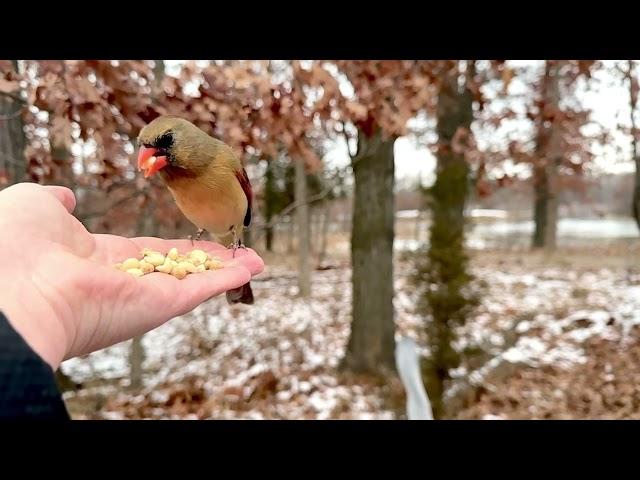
x=235, y=246
x=197, y=236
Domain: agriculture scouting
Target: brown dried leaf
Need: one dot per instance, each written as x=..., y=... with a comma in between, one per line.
x=60, y=133
x=357, y=110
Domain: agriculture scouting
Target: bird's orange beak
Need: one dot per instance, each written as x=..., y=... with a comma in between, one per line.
x=150, y=162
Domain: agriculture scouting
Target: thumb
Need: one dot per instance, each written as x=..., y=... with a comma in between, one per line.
x=64, y=195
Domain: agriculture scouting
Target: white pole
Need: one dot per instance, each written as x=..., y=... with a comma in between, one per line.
x=408, y=364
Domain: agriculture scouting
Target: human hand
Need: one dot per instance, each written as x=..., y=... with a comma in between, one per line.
x=61, y=292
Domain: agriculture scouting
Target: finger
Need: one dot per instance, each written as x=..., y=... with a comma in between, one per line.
x=248, y=258
x=172, y=297
x=147, y=302
x=64, y=196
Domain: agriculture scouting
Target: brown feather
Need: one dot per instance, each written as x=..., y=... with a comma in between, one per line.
x=207, y=181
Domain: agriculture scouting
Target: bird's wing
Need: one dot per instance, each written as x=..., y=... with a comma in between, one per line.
x=246, y=188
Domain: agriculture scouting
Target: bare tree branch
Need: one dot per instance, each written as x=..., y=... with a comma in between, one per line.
x=293, y=206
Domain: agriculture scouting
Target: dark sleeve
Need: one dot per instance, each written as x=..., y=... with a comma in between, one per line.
x=28, y=389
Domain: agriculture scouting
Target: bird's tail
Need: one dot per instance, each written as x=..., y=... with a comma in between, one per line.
x=243, y=294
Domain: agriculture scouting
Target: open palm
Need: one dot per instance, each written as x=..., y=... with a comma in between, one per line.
x=66, y=298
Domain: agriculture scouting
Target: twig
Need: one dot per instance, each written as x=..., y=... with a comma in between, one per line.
x=294, y=206
x=494, y=368
x=291, y=207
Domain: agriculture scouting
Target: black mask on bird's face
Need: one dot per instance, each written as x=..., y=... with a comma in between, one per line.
x=156, y=154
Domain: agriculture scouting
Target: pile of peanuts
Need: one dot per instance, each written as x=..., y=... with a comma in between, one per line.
x=173, y=263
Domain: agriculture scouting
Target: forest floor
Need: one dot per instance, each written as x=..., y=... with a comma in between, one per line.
x=568, y=325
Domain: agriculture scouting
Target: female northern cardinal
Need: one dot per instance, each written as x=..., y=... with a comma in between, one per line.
x=206, y=179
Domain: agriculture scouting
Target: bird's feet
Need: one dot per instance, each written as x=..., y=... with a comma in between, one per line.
x=197, y=236
x=235, y=246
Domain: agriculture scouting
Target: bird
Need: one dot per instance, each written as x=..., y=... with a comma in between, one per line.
x=206, y=179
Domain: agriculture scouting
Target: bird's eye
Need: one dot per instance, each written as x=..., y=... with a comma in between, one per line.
x=164, y=141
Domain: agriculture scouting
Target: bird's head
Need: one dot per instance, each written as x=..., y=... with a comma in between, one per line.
x=174, y=142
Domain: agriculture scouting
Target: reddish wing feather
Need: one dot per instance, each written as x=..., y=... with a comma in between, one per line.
x=246, y=187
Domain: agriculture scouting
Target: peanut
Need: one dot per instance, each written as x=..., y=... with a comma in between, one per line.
x=173, y=263
x=188, y=266
x=154, y=259
x=130, y=263
x=166, y=266
x=146, y=267
x=213, y=264
x=178, y=272
x=136, y=272
x=198, y=257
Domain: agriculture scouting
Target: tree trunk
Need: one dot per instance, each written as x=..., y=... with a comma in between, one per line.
x=444, y=274
x=269, y=201
x=549, y=153
x=633, y=100
x=136, y=359
x=13, y=166
x=636, y=191
x=326, y=213
x=292, y=234
x=313, y=231
x=268, y=238
x=304, y=234
x=545, y=208
x=371, y=344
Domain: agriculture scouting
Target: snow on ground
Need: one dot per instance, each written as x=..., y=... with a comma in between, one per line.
x=276, y=359
x=279, y=357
